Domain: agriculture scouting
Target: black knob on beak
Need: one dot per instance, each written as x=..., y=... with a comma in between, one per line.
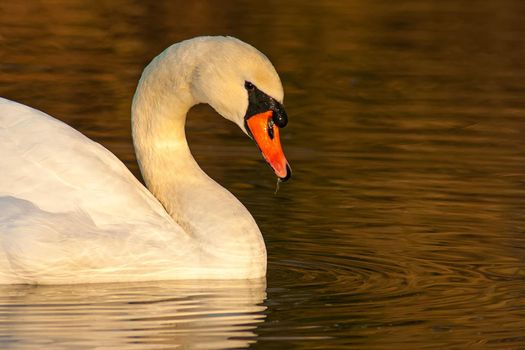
x=279, y=116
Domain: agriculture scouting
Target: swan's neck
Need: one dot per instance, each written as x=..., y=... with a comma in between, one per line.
x=206, y=211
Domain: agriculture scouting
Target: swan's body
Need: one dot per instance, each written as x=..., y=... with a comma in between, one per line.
x=71, y=212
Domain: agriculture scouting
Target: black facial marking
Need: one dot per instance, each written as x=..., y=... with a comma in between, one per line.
x=259, y=102
x=270, y=128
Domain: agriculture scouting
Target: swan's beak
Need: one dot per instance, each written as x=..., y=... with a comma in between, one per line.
x=266, y=134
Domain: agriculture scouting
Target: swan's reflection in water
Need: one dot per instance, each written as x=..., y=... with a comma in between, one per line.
x=181, y=314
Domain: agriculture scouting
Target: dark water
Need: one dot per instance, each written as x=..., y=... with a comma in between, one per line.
x=404, y=224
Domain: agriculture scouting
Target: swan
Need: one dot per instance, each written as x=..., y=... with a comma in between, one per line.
x=71, y=212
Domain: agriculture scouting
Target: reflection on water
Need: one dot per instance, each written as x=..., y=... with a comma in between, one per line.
x=187, y=315
x=404, y=224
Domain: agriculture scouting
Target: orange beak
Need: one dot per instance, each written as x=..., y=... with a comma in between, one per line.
x=266, y=135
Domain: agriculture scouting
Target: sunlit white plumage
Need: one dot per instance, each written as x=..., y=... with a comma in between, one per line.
x=71, y=212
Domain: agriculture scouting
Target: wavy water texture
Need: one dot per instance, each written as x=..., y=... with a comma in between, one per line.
x=190, y=315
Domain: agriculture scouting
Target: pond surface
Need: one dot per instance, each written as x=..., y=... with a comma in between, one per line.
x=403, y=226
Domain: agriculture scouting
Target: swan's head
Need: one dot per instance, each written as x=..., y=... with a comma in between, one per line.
x=241, y=84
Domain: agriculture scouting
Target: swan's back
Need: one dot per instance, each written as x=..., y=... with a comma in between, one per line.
x=54, y=166
x=66, y=200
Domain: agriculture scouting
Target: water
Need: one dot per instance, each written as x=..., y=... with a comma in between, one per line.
x=403, y=225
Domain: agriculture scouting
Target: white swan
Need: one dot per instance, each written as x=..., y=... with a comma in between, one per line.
x=71, y=212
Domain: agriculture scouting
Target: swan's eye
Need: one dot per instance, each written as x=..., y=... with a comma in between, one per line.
x=249, y=86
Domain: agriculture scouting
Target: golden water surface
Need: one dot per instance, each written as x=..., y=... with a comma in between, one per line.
x=403, y=226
